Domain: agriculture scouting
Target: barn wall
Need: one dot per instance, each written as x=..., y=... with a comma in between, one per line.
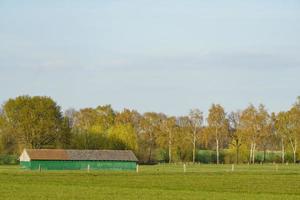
x=25, y=164
x=79, y=165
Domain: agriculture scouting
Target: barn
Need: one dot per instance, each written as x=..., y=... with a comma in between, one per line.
x=61, y=159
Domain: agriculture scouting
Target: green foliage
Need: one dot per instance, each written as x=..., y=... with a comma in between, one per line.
x=9, y=159
x=35, y=122
x=89, y=140
x=209, y=156
x=231, y=155
x=123, y=136
x=149, y=134
x=239, y=137
x=228, y=156
x=65, y=137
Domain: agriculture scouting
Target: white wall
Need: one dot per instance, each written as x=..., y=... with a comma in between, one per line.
x=24, y=156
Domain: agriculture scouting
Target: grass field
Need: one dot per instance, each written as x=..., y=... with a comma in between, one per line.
x=155, y=182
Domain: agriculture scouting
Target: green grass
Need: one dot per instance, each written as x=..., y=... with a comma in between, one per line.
x=155, y=182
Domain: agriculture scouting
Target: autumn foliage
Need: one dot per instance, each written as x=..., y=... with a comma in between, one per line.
x=250, y=135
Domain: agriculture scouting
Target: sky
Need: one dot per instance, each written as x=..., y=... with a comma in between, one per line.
x=152, y=55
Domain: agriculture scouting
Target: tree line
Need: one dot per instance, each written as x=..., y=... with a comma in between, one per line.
x=38, y=122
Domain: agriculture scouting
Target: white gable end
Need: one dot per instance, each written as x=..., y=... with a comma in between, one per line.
x=24, y=156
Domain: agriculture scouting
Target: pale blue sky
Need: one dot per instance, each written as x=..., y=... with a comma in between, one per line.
x=166, y=55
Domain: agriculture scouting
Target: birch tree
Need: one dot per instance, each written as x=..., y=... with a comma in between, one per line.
x=196, y=118
x=265, y=129
x=218, y=125
x=288, y=126
x=294, y=137
x=149, y=130
x=250, y=127
x=183, y=138
x=282, y=125
x=254, y=122
x=168, y=126
x=235, y=132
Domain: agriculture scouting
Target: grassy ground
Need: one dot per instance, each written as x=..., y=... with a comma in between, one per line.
x=155, y=182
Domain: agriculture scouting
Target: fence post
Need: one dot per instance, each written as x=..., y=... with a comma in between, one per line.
x=88, y=168
x=137, y=168
x=184, y=168
x=232, y=167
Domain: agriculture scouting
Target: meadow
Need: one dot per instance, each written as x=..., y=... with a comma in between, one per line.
x=162, y=181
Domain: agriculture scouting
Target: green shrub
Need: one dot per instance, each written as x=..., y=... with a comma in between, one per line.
x=209, y=156
x=228, y=156
x=9, y=160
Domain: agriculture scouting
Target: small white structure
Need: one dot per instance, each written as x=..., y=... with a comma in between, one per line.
x=24, y=156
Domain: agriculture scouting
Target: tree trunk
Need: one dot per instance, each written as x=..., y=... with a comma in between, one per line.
x=251, y=148
x=217, y=142
x=295, y=151
x=150, y=153
x=194, y=147
x=282, y=151
x=253, y=153
x=294, y=147
x=237, y=154
x=264, y=158
x=295, y=155
x=86, y=140
x=170, y=147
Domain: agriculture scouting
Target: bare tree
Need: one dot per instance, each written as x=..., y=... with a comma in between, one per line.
x=235, y=133
x=196, y=117
x=218, y=124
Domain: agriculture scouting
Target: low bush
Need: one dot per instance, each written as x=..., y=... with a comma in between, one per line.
x=9, y=160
